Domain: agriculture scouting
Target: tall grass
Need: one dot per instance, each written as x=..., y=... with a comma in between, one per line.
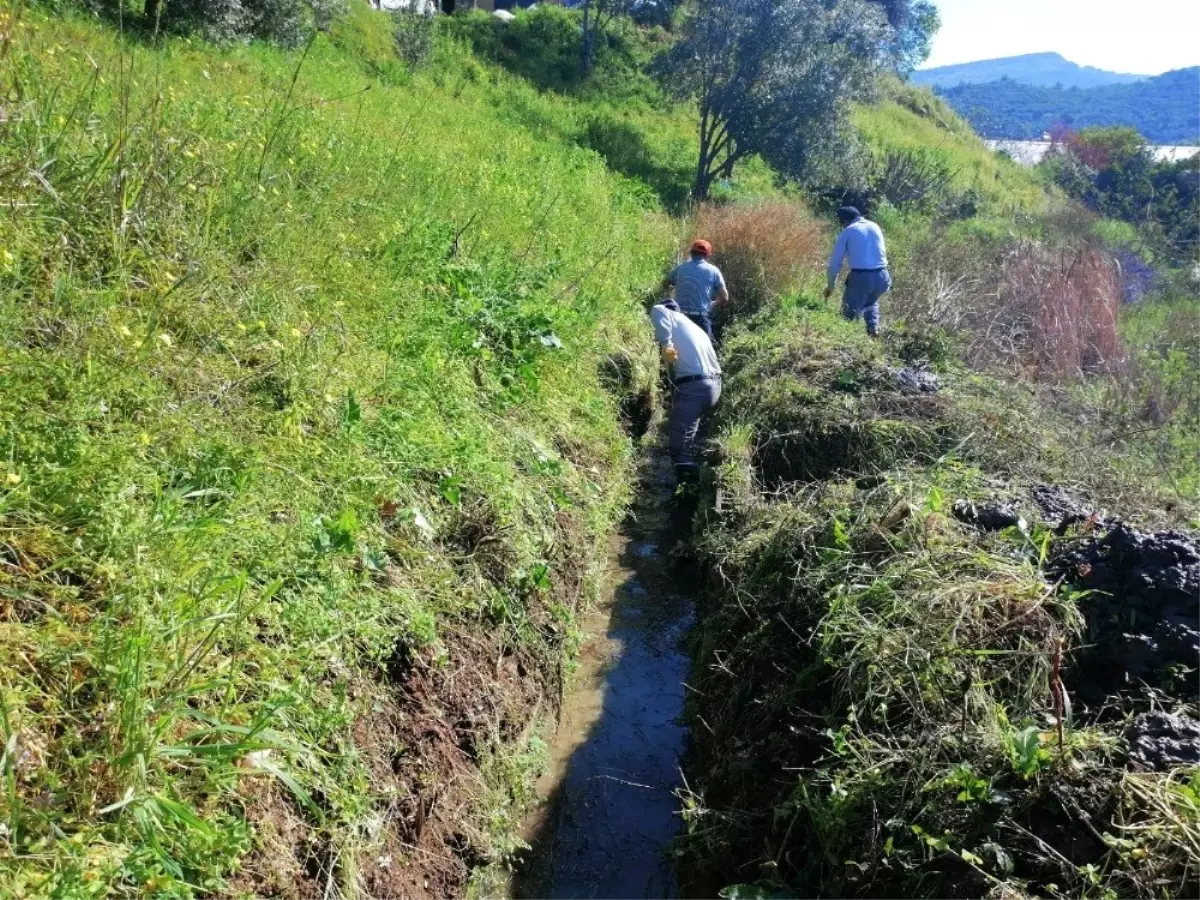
x=765, y=249
x=298, y=380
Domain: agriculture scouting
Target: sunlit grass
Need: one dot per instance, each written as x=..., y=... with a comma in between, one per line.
x=278, y=326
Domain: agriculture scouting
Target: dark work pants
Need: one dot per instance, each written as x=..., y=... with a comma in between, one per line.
x=704, y=320
x=692, y=403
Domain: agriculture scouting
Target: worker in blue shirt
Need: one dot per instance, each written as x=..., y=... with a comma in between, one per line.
x=699, y=286
x=861, y=243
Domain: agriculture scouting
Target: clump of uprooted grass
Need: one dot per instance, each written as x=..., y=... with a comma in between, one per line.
x=306, y=457
x=875, y=680
x=764, y=249
x=818, y=399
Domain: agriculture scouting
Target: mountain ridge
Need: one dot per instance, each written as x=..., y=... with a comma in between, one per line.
x=1165, y=109
x=1042, y=69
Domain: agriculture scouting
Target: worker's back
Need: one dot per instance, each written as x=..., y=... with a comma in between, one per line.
x=696, y=280
x=865, y=247
x=696, y=356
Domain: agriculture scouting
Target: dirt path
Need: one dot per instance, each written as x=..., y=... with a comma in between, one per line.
x=611, y=812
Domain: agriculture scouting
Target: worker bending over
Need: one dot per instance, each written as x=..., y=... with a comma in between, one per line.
x=699, y=286
x=861, y=242
x=697, y=379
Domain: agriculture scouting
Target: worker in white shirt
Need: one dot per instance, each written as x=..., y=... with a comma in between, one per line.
x=696, y=375
x=861, y=243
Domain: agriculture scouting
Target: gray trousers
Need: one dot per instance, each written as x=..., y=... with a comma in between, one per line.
x=861, y=296
x=690, y=407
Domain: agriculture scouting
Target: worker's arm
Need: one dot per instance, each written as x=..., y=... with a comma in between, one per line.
x=662, y=331
x=721, y=295
x=835, y=261
x=668, y=282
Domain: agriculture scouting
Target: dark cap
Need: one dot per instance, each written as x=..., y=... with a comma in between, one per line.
x=848, y=214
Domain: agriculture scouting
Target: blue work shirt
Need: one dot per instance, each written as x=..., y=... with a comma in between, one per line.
x=862, y=243
x=696, y=280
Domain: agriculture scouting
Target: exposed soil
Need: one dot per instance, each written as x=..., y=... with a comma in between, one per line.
x=428, y=721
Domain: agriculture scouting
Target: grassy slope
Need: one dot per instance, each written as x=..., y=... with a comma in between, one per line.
x=909, y=118
x=872, y=676
x=289, y=457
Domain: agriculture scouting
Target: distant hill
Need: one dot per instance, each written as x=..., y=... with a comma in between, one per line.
x=1166, y=108
x=1047, y=69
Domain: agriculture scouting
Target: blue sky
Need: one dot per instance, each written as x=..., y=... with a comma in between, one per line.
x=1145, y=37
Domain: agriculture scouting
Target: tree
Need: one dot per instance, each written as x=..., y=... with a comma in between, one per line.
x=597, y=16
x=773, y=77
x=913, y=23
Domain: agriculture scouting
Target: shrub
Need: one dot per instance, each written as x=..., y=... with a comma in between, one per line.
x=414, y=36
x=544, y=45
x=284, y=22
x=764, y=249
x=917, y=177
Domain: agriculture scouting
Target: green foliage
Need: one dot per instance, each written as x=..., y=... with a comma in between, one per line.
x=626, y=145
x=771, y=79
x=1026, y=751
x=1166, y=108
x=414, y=36
x=862, y=654
x=288, y=23
x=544, y=45
x=298, y=392
x=913, y=25
x=1113, y=172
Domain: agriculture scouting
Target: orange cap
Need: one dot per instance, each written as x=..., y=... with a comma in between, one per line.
x=702, y=247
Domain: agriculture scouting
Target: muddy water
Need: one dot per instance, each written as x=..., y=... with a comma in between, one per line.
x=610, y=811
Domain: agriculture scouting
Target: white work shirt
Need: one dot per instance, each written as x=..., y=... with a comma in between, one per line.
x=696, y=353
x=861, y=242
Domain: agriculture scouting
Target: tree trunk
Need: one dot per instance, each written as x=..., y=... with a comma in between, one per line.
x=151, y=11
x=703, y=181
x=589, y=37
x=703, y=175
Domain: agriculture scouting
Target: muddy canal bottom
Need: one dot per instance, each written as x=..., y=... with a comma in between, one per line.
x=610, y=811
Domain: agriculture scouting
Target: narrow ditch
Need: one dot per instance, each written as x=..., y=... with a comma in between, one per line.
x=610, y=811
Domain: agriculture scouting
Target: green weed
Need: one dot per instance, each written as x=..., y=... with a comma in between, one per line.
x=299, y=393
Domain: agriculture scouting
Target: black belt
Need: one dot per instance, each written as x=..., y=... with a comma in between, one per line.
x=686, y=379
x=880, y=269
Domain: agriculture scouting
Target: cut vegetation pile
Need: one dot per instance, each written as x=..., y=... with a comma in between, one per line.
x=307, y=456
x=927, y=665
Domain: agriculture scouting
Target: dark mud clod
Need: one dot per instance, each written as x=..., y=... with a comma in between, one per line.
x=915, y=380
x=1158, y=741
x=988, y=516
x=1062, y=510
x=1142, y=614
